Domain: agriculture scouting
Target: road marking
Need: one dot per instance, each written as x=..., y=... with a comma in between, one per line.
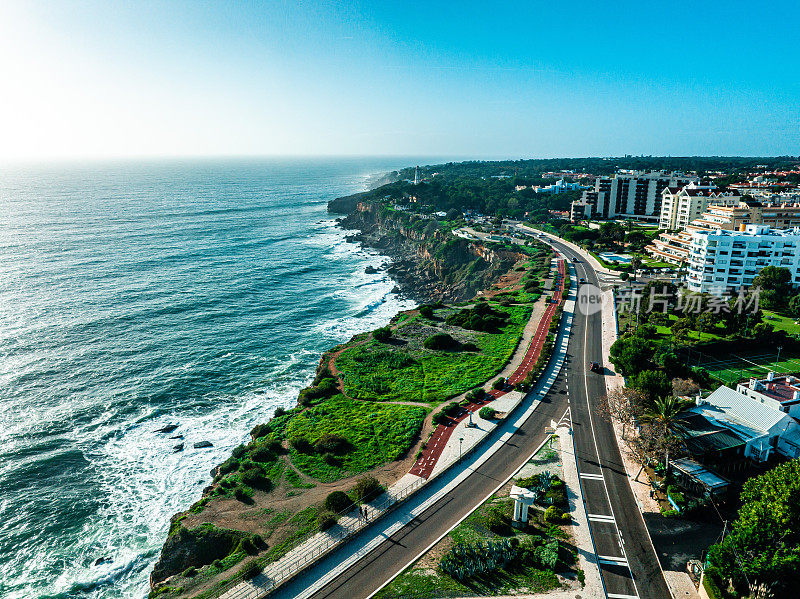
x=610, y=560
x=591, y=476
x=620, y=596
x=601, y=518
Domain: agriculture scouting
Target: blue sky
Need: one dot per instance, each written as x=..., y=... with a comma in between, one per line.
x=461, y=79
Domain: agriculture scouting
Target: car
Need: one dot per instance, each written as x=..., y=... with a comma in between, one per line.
x=581, y=280
x=595, y=367
x=576, y=260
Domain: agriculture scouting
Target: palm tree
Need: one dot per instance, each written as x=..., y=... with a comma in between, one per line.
x=665, y=414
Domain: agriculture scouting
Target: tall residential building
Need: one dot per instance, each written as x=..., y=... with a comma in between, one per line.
x=723, y=260
x=723, y=214
x=682, y=205
x=635, y=194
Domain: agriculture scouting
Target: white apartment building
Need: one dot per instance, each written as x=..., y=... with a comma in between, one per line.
x=720, y=260
x=681, y=205
x=631, y=194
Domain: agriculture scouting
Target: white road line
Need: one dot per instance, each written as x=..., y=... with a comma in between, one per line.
x=600, y=518
x=610, y=560
x=619, y=596
x=592, y=476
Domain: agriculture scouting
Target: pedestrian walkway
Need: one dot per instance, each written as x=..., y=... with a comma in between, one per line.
x=443, y=438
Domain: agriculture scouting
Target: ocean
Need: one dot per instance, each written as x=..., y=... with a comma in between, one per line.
x=137, y=295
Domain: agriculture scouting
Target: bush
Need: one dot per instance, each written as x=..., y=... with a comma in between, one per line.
x=439, y=417
x=331, y=460
x=426, y=312
x=477, y=395
x=301, y=445
x=547, y=555
x=499, y=384
x=487, y=413
x=189, y=572
x=330, y=443
x=382, y=334
x=339, y=502
x=440, y=341
x=555, y=496
x=554, y=515
x=259, y=541
x=239, y=451
x=229, y=465
x=251, y=570
x=496, y=521
x=260, y=430
x=470, y=347
x=367, y=489
x=255, y=478
x=452, y=408
x=326, y=520
x=248, y=547
x=243, y=494
x=279, y=411
x=262, y=453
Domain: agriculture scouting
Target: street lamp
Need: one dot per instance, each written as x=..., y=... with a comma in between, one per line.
x=460, y=441
x=778, y=359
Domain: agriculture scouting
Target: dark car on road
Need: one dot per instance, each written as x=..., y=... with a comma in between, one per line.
x=595, y=367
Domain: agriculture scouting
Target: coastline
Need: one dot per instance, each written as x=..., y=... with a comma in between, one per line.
x=411, y=263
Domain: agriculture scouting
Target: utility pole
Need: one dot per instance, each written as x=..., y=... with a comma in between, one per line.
x=778, y=359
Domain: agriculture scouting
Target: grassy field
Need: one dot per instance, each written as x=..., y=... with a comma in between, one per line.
x=406, y=371
x=378, y=433
x=625, y=319
x=741, y=365
x=783, y=323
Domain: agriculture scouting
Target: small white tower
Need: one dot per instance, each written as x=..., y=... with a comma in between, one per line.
x=416, y=176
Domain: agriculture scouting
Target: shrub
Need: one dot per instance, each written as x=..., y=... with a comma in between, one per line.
x=326, y=520
x=382, y=334
x=330, y=443
x=251, y=570
x=248, y=547
x=331, y=460
x=239, y=451
x=276, y=447
x=255, y=478
x=301, y=445
x=367, y=489
x=452, y=408
x=440, y=341
x=499, y=383
x=496, y=521
x=426, y=312
x=487, y=413
x=279, y=411
x=189, y=572
x=229, y=465
x=243, y=494
x=477, y=394
x=439, y=417
x=259, y=541
x=470, y=347
x=555, y=496
x=339, y=502
x=553, y=514
x=262, y=453
x=261, y=430
x=547, y=555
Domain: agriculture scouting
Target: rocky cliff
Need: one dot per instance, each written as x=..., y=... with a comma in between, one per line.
x=428, y=261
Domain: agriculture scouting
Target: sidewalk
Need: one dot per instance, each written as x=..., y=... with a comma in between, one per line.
x=587, y=557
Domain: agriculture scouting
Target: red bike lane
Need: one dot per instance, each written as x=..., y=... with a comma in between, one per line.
x=438, y=440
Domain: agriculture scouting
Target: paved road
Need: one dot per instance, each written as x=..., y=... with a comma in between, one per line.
x=606, y=490
x=628, y=562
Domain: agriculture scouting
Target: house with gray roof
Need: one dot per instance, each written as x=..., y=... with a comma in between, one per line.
x=730, y=416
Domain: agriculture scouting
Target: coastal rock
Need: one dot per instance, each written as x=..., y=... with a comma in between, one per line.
x=102, y=560
x=177, y=448
x=177, y=437
x=203, y=444
x=167, y=429
x=371, y=270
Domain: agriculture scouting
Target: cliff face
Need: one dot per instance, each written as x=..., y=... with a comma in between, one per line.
x=430, y=264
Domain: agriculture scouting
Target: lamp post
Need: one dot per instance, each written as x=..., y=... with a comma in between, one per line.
x=778, y=359
x=460, y=441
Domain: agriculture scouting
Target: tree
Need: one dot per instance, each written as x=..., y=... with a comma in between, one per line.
x=794, y=305
x=652, y=383
x=624, y=405
x=764, y=544
x=382, y=334
x=631, y=354
x=665, y=415
x=776, y=286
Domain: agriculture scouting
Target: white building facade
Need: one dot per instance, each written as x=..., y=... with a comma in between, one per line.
x=680, y=206
x=723, y=260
